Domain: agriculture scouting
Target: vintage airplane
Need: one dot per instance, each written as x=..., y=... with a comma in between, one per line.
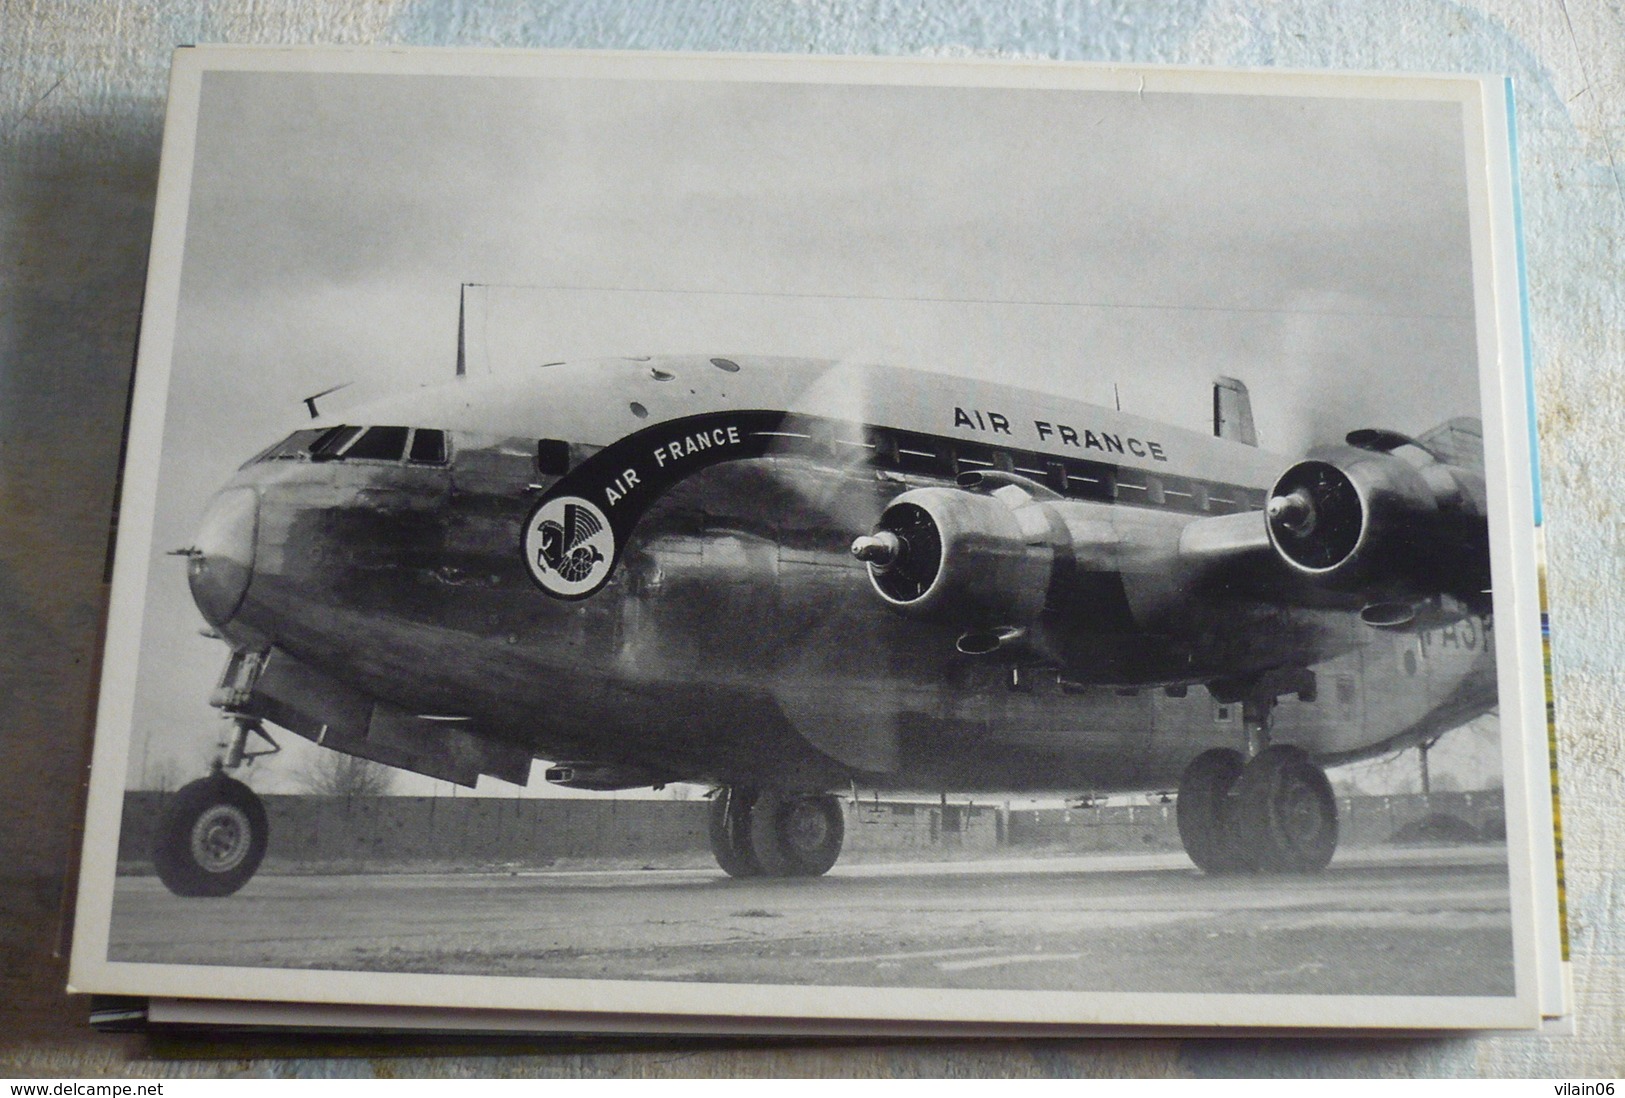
x=786, y=577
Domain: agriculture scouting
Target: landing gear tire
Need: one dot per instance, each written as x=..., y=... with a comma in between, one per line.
x=796, y=836
x=729, y=831
x=210, y=838
x=1205, y=812
x=1286, y=813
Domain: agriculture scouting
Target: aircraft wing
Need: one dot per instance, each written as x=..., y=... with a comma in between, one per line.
x=1384, y=525
x=1361, y=525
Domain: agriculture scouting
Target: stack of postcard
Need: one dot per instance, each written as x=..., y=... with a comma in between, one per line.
x=624, y=542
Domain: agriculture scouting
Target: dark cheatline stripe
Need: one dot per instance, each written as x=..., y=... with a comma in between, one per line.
x=627, y=477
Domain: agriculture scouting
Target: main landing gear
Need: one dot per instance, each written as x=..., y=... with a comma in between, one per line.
x=1274, y=813
x=764, y=833
x=211, y=835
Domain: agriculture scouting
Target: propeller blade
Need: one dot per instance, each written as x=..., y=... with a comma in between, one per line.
x=827, y=425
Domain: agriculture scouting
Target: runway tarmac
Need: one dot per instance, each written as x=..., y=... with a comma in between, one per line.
x=1391, y=922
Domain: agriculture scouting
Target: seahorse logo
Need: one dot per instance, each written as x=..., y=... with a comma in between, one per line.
x=569, y=547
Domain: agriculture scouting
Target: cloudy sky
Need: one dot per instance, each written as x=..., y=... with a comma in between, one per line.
x=1317, y=248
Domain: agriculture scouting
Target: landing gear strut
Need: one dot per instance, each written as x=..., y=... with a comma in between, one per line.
x=1273, y=813
x=756, y=833
x=212, y=833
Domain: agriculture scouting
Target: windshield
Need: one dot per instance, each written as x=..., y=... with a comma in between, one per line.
x=420, y=446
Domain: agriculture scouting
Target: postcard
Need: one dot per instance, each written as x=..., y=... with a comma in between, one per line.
x=788, y=541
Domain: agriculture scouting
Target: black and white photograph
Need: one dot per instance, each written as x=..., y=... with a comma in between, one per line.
x=921, y=541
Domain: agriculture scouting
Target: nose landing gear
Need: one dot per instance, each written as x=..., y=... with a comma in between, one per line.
x=211, y=835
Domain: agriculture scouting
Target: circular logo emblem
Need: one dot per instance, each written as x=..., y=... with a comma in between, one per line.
x=569, y=547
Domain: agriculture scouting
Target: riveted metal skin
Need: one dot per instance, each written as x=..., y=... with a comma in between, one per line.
x=730, y=636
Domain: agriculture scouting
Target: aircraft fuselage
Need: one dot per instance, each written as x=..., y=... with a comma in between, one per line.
x=732, y=637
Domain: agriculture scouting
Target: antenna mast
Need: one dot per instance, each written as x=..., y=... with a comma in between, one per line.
x=462, y=294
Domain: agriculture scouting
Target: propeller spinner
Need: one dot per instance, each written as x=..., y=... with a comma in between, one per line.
x=1316, y=515
x=904, y=553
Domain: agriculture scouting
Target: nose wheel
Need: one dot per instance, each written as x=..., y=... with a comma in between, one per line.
x=212, y=833
x=210, y=837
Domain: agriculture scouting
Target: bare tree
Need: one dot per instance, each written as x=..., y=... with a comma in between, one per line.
x=335, y=774
x=162, y=776
x=174, y=770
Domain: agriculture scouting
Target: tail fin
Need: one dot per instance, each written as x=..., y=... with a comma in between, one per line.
x=1458, y=441
x=1233, y=412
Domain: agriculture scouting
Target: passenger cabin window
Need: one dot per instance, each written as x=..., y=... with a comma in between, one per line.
x=917, y=454
x=1131, y=486
x=428, y=446
x=1055, y=476
x=379, y=444
x=1088, y=480
x=552, y=457
x=970, y=458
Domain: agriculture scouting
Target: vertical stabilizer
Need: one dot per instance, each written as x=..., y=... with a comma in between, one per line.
x=1233, y=412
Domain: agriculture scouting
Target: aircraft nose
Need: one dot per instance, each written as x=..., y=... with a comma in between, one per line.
x=222, y=557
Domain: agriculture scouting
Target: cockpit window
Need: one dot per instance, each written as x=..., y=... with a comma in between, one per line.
x=332, y=442
x=428, y=446
x=294, y=445
x=332, y=437
x=379, y=444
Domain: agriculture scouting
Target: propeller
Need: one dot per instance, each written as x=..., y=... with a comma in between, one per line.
x=829, y=421
x=1316, y=515
x=905, y=555
x=842, y=492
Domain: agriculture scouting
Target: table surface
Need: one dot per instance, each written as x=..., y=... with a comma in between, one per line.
x=81, y=99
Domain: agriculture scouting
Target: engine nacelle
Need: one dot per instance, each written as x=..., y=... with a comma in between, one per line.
x=1354, y=518
x=948, y=554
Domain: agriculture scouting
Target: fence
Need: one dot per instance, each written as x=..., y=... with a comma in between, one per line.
x=336, y=834
x=1362, y=821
